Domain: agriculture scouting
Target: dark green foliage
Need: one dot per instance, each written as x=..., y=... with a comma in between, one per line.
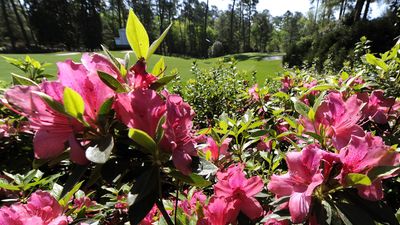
x=336, y=42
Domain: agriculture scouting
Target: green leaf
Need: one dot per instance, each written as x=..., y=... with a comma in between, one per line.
x=206, y=168
x=311, y=114
x=7, y=186
x=67, y=197
x=378, y=211
x=291, y=122
x=160, y=130
x=160, y=83
x=73, y=103
x=382, y=171
x=300, y=107
x=105, y=108
x=280, y=201
x=318, y=101
x=115, y=61
x=137, y=36
x=354, y=179
x=351, y=214
x=143, y=139
x=192, y=179
x=111, y=82
x=76, y=174
x=157, y=42
x=55, y=105
x=21, y=80
x=101, y=151
x=159, y=68
x=371, y=59
x=145, y=194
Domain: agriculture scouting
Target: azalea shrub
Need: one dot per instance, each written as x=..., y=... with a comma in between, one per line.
x=105, y=142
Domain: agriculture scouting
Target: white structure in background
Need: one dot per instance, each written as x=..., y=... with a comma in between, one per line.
x=121, y=41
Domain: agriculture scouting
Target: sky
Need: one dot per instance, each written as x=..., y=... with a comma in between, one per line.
x=279, y=7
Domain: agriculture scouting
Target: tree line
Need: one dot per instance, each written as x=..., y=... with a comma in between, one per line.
x=199, y=29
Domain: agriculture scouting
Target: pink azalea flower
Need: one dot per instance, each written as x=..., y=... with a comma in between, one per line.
x=140, y=109
x=87, y=83
x=310, y=85
x=303, y=176
x=363, y=154
x=136, y=77
x=337, y=118
x=217, y=151
x=41, y=209
x=149, y=219
x=276, y=222
x=253, y=92
x=97, y=62
x=53, y=129
x=235, y=187
x=85, y=201
x=189, y=206
x=287, y=83
x=141, y=79
x=219, y=211
x=177, y=137
x=264, y=144
x=377, y=107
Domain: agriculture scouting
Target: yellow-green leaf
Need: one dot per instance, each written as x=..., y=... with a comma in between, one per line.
x=159, y=68
x=73, y=103
x=143, y=139
x=354, y=179
x=137, y=36
x=157, y=42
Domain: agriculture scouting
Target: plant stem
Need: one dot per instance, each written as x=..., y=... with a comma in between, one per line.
x=160, y=206
x=176, y=202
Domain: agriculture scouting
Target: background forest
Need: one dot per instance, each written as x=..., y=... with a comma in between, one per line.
x=328, y=31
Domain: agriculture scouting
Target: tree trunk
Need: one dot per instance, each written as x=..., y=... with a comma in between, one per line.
x=366, y=10
x=231, y=29
x=8, y=25
x=20, y=23
x=119, y=11
x=316, y=12
x=358, y=9
x=28, y=22
x=341, y=9
x=205, y=32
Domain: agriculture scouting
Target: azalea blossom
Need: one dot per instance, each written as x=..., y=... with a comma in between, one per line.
x=377, y=108
x=253, y=92
x=303, y=176
x=52, y=129
x=363, y=154
x=189, y=205
x=235, y=187
x=178, y=127
x=135, y=78
x=140, y=109
x=149, y=219
x=215, y=150
x=219, y=211
x=287, y=83
x=337, y=118
x=41, y=209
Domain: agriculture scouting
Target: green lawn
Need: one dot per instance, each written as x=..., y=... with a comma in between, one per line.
x=246, y=61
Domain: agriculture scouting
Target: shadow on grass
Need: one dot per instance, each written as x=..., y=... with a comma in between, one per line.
x=251, y=56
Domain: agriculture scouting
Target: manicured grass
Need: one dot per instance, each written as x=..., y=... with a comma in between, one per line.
x=247, y=61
